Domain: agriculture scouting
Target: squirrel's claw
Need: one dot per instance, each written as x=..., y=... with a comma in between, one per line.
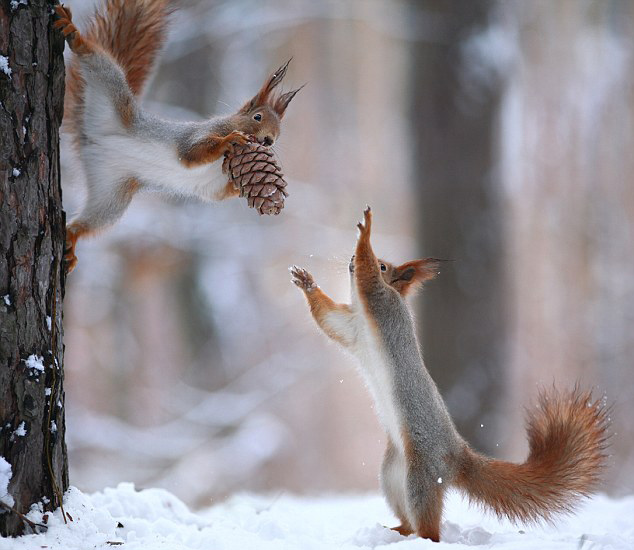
x=302, y=278
x=70, y=260
x=366, y=225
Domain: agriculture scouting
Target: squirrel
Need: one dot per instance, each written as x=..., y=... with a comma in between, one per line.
x=425, y=454
x=123, y=148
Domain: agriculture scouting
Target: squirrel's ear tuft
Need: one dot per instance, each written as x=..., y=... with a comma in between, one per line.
x=411, y=275
x=262, y=96
x=280, y=103
x=247, y=107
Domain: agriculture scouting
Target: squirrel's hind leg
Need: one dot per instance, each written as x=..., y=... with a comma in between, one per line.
x=103, y=207
x=425, y=507
x=75, y=40
x=392, y=485
x=403, y=529
x=74, y=231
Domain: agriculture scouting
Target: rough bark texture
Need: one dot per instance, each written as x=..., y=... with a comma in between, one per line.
x=31, y=248
x=454, y=124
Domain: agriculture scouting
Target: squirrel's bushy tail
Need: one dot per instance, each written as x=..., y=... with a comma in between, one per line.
x=567, y=436
x=133, y=33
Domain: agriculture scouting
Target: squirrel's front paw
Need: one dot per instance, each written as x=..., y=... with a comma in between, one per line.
x=302, y=278
x=238, y=138
x=366, y=225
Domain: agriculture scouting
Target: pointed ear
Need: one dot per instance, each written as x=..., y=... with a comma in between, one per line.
x=282, y=102
x=409, y=276
x=265, y=91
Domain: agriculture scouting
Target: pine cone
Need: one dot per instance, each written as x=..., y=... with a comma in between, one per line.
x=254, y=171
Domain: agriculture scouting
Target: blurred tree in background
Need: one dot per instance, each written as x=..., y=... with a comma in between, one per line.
x=453, y=118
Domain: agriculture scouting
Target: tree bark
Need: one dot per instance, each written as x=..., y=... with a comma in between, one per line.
x=31, y=247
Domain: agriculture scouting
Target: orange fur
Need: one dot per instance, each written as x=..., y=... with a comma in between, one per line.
x=320, y=306
x=403, y=529
x=370, y=271
x=75, y=230
x=567, y=439
x=428, y=526
x=409, y=276
x=265, y=95
x=366, y=266
x=132, y=32
x=428, y=522
x=76, y=41
x=212, y=148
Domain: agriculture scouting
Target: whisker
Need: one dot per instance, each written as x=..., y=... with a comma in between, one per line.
x=225, y=104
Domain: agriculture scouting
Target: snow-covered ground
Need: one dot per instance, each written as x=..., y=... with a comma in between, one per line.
x=154, y=519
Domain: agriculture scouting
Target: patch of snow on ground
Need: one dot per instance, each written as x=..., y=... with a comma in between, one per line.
x=154, y=519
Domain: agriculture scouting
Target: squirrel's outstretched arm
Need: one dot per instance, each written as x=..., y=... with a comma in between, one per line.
x=367, y=272
x=210, y=148
x=336, y=320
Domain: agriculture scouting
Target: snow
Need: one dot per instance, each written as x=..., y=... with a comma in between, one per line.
x=5, y=477
x=35, y=362
x=154, y=519
x=16, y=172
x=4, y=65
x=20, y=431
x=7, y=299
x=16, y=3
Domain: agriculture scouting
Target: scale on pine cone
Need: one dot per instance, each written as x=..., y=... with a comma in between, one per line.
x=255, y=173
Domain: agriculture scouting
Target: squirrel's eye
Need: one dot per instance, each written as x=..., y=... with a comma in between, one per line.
x=383, y=267
x=257, y=117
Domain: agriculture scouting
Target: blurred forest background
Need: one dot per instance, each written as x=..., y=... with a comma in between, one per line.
x=497, y=134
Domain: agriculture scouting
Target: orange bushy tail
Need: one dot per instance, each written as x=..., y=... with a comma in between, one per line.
x=567, y=437
x=133, y=33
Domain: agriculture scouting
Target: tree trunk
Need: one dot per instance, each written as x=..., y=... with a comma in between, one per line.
x=31, y=248
x=453, y=115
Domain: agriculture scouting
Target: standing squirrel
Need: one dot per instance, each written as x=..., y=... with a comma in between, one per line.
x=425, y=454
x=124, y=149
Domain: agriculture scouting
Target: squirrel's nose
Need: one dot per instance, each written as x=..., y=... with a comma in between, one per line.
x=268, y=141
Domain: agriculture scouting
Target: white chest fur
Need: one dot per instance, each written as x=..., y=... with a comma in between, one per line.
x=376, y=371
